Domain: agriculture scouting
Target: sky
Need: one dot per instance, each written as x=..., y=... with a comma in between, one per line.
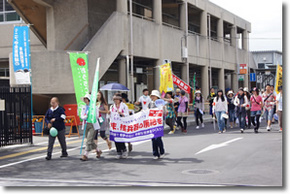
x=265, y=17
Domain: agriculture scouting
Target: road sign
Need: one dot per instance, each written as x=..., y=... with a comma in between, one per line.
x=252, y=77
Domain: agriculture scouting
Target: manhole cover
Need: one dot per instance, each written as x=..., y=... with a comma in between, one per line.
x=199, y=171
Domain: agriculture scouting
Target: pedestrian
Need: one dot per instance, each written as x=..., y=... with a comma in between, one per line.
x=55, y=117
x=103, y=121
x=169, y=112
x=125, y=100
x=119, y=109
x=91, y=129
x=183, y=112
x=210, y=98
x=231, y=107
x=176, y=104
x=157, y=143
x=198, y=108
x=269, y=101
x=256, y=108
x=220, y=107
x=248, y=108
x=275, y=94
x=144, y=100
x=279, y=105
x=241, y=101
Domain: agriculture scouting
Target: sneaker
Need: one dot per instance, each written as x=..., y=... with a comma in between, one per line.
x=118, y=157
x=171, y=132
x=162, y=155
x=242, y=130
x=256, y=130
x=125, y=154
x=232, y=127
x=197, y=127
x=64, y=155
x=184, y=131
x=155, y=157
x=224, y=130
x=99, y=152
x=202, y=125
x=268, y=128
x=84, y=158
x=220, y=132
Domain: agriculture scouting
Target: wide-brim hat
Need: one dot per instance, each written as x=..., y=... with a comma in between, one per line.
x=246, y=89
x=115, y=97
x=88, y=96
x=197, y=92
x=177, y=90
x=155, y=93
x=230, y=92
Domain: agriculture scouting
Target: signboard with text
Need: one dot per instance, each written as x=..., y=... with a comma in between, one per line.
x=243, y=69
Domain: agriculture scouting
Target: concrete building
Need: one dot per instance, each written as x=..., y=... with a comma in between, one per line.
x=197, y=36
x=267, y=61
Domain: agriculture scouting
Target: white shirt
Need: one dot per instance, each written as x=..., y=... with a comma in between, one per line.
x=84, y=116
x=144, y=100
x=279, y=100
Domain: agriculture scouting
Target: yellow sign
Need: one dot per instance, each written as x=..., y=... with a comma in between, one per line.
x=279, y=80
x=166, y=81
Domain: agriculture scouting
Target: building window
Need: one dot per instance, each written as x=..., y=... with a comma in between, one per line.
x=4, y=72
x=7, y=13
x=261, y=65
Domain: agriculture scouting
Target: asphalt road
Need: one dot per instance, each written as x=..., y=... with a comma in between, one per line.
x=200, y=158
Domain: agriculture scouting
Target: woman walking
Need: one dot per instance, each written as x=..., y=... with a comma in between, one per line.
x=199, y=108
x=103, y=110
x=169, y=112
x=119, y=109
x=248, y=108
x=241, y=101
x=220, y=107
x=279, y=105
x=256, y=108
x=157, y=143
x=183, y=112
x=55, y=117
x=90, y=128
x=231, y=107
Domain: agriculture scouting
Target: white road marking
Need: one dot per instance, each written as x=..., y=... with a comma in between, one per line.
x=72, y=149
x=215, y=146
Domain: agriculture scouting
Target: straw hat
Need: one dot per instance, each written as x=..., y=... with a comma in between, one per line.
x=155, y=93
x=88, y=96
x=177, y=90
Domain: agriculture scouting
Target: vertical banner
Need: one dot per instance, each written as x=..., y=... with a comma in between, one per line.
x=92, y=111
x=21, y=54
x=279, y=80
x=193, y=92
x=166, y=81
x=79, y=66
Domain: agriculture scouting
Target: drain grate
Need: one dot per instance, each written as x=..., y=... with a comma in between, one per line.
x=199, y=171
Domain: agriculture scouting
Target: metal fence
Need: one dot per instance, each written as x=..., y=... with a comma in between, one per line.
x=15, y=116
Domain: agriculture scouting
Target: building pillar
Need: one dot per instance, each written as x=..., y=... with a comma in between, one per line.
x=156, y=73
x=182, y=17
x=245, y=36
x=204, y=81
x=157, y=11
x=234, y=80
x=122, y=71
x=203, y=23
x=234, y=36
x=184, y=72
x=122, y=6
x=220, y=30
x=221, y=78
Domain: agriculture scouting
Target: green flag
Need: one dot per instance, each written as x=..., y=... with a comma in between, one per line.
x=79, y=66
x=193, y=93
x=92, y=110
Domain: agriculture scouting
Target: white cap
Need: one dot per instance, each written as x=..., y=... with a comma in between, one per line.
x=246, y=89
x=197, y=92
x=88, y=96
x=155, y=93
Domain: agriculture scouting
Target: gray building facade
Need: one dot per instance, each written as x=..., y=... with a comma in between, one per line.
x=197, y=36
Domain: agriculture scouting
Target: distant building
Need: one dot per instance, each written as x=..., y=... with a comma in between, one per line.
x=266, y=62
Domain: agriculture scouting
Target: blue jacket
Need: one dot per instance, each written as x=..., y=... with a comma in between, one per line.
x=59, y=115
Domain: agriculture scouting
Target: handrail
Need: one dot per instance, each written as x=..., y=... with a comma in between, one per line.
x=142, y=17
x=170, y=25
x=76, y=36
